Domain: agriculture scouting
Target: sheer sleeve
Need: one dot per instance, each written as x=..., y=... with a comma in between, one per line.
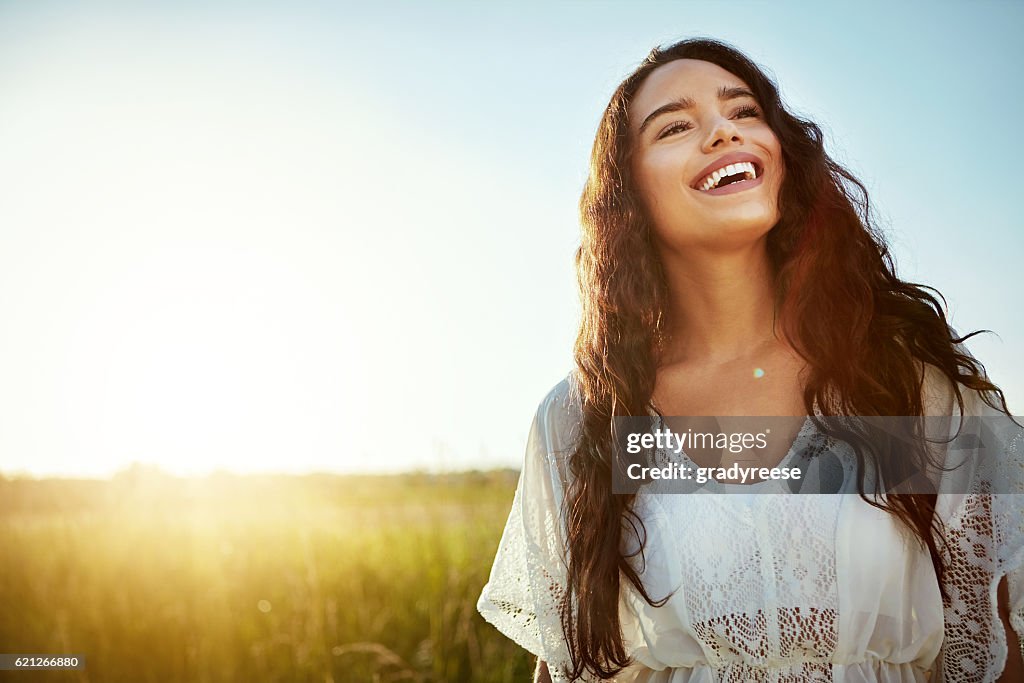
x=981, y=506
x=524, y=594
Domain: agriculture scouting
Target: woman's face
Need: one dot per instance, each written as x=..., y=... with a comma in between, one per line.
x=706, y=165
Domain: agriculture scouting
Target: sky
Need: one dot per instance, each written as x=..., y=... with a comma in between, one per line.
x=292, y=237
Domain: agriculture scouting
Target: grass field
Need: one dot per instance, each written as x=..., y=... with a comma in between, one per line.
x=257, y=578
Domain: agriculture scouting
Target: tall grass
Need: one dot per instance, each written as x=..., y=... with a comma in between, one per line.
x=260, y=578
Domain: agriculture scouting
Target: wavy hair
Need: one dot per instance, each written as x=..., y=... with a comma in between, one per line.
x=864, y=334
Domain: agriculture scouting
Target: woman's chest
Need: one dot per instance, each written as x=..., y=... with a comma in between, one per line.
x=772, y=385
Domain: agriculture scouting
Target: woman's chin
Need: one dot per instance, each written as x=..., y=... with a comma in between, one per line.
x=745, y=226
x=739, y=233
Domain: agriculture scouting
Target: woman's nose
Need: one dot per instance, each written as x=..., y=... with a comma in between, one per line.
x=723, y=132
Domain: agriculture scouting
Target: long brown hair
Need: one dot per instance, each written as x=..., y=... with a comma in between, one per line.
x=864, y=334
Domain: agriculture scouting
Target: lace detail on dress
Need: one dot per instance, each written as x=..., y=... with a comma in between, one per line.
x=806, y=635
x=801, y=672
x=523, y=600
x=817, y=445
x=985, y=541
x=756, y=590
x=975, y=649
x=527, y=586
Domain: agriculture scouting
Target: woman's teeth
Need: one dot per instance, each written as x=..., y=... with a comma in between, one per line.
x=744, y=168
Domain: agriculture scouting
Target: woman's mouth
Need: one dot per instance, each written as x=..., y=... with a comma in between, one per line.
x=735, y=175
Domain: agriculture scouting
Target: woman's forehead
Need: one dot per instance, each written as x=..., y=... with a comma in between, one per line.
x=680, y=79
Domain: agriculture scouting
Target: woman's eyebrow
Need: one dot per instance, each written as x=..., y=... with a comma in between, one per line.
x=726, y=92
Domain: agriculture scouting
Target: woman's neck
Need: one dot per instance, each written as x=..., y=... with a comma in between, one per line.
x=721, y=304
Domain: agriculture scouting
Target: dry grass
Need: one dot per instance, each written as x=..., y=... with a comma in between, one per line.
x=318, y=578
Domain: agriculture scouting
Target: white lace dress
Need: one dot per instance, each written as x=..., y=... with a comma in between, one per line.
x=773, y=588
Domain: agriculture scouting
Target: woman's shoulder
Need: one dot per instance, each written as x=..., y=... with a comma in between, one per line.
x=939, y=393
x=559, y=415
x=563, y=397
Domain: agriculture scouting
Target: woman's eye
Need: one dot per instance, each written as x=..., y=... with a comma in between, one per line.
x=746, y=112
x=677, y=127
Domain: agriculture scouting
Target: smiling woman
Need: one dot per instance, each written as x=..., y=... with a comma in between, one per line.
x=718, y=144
x=729, y=267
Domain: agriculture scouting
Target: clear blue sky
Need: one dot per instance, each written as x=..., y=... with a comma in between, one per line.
x=292, y=236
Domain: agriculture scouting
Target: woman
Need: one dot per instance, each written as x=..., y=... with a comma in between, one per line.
x=728, y=268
